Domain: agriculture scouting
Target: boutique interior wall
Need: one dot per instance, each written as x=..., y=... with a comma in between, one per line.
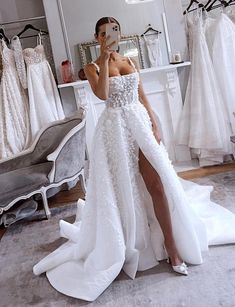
x=18, y=9
x=13, y=10
x=79, y=26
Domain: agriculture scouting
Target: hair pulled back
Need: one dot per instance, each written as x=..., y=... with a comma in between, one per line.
x=103, y=21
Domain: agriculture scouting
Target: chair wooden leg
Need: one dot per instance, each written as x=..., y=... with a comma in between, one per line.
x=45, y=203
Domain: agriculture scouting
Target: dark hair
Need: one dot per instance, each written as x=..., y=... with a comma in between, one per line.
x=103, y=21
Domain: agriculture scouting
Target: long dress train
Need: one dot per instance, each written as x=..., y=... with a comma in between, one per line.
x=116, y=227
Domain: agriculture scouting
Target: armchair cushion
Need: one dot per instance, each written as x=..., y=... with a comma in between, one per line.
x=23, y=181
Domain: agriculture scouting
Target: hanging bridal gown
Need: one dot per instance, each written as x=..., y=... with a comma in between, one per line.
x=220, y=34
x=14, y=118
x=204, y=124
x=154, y=50
x=231, y=15
x=116, y=227
x=44, y=100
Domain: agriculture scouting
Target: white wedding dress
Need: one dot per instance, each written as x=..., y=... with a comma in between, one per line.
x=14, y=113
x=204, y=124
x=116, y=227
x=44, y=100
x=220, y=34
x=153, y=46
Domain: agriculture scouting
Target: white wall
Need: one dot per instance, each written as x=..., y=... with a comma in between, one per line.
x=178, y=38
x=12, y=10
x=17, y=9
x=133, y=18
x=80, y=17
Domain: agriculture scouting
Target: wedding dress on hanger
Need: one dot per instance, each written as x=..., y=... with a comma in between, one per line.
x=231, y=14
x=44, y=100
x=204, y=124
x=14, y=113
x=154, y=50
x=220, y=34
x=116, y=227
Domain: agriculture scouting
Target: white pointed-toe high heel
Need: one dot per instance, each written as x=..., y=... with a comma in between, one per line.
x=181, y=268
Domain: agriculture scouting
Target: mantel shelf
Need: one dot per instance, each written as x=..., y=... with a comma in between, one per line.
x=142, y=71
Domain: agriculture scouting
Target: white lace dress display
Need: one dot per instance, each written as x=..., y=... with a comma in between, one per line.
x=44, y=100
x=204, y=124
x=231, y=15
x=116, y=227
x=14, y=114
x=153, y=46
x=220, y=34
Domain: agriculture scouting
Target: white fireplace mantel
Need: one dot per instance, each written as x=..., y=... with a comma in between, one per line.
x=161, y=85
x=142, y=71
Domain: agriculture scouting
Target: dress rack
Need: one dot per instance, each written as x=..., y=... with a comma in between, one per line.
x=149, y=29
x=210, y=5
x=22, y=20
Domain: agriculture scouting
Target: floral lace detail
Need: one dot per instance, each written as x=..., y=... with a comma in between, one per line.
x=123, y=90
x=34, y=55
x=19, y=60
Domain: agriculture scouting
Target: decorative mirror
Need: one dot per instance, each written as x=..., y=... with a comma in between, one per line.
x=129, y=46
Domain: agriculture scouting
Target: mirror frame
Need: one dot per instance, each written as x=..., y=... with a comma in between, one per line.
x=83, y=46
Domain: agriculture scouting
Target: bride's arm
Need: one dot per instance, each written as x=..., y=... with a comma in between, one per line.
x=100, y=83
x=143, y=99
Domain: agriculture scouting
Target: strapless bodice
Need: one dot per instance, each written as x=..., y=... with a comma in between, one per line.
x=34, y=55
x=123, y=90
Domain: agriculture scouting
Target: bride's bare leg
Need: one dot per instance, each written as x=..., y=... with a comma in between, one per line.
x=161, y=208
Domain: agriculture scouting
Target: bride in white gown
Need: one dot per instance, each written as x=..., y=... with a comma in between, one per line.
x=131, y=182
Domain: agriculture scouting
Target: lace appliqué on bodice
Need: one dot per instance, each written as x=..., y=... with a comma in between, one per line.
x=123, y=90
x=34, y=55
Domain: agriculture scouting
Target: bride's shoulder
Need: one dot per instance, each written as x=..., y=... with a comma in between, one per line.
x=91, y=68
x=123, y=58
x=131, y=61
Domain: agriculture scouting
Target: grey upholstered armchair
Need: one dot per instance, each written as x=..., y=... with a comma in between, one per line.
x=57, y=156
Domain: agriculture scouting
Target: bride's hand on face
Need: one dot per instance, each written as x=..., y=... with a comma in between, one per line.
x=105, y=49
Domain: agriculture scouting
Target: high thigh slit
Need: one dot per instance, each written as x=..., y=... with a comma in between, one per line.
x=116, y=227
